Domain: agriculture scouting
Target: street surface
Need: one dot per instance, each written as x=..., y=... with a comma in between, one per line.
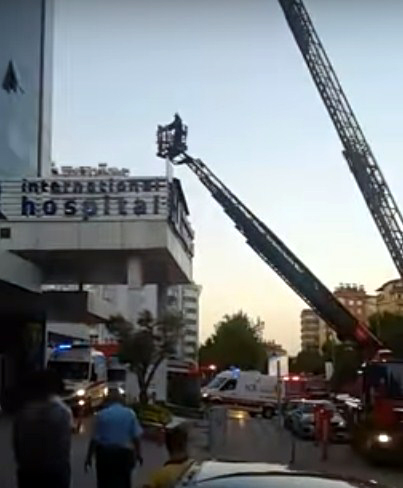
x=240, y=439
x=154, y=456
x=263, y=440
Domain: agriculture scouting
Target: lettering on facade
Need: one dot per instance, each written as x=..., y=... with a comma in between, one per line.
x=63, y=198
x=84, y=199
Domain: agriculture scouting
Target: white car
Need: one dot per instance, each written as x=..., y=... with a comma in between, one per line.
x=212, y=474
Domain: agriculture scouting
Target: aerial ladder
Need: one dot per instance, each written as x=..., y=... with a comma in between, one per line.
x=356, y=149
x=380, y=386
x=270, y=248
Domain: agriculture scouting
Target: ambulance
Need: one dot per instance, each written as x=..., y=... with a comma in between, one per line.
x=84, y=373
x=245, y=390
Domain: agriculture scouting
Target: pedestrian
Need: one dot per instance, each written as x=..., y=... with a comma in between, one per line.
x=42, y=434
x=176, y=441
x=115, y=443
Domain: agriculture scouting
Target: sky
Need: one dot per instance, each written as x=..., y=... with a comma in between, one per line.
x=232, y=69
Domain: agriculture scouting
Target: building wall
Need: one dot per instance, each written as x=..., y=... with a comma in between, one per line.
x=311, y=330
x=354, y=298
x=185, y=298
x=314, y=331
x=25, y=121
x=390, y=297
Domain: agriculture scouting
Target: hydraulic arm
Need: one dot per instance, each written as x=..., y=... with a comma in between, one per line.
x=271, y=249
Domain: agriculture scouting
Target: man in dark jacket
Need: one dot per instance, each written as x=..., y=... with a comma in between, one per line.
x=42, y=435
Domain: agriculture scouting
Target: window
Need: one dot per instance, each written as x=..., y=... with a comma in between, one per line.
x=5, y=233
x=359, y=311
x=230, y=385
x=351, y=302
x=359, y=303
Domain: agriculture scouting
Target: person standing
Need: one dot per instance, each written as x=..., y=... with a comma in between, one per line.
x=42, y=434
x=115, y=443
x=176, y=441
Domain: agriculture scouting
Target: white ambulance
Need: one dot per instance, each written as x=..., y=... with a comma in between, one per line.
x=84, y=373
x=247, y=390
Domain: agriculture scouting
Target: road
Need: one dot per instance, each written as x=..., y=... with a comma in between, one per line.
x=154, y=456
x=241, y=439
x=263, y=440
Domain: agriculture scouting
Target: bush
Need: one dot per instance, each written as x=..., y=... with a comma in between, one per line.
x=152, y=414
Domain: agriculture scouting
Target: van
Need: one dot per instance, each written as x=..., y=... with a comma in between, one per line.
x=248, y=390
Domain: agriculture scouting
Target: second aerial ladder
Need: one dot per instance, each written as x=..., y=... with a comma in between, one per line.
x=357, y=151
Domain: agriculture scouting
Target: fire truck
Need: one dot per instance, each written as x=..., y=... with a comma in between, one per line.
x=304, y=386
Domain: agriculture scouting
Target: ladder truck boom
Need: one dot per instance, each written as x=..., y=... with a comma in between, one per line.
x=273, y=251
x=356, y=149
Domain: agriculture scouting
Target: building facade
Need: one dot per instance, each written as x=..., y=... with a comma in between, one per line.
x=313, y=331
x=185, y=298
x=355, y=299
x=26, y=40
x=390, y=297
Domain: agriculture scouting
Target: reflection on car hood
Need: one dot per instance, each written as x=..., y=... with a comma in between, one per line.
x=213, y=471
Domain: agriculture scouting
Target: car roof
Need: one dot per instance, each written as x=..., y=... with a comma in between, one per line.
x=208, y=473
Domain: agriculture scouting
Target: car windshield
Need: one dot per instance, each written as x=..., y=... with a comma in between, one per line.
x=69, y=370
x=307, y=408
x=389, y=377
x=216, y=382
x=310, y=407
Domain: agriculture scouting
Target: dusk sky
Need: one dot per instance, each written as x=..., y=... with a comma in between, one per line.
x=232, y=69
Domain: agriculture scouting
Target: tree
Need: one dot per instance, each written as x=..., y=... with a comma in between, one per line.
x=389, y=328
x=237, y=341
x=308, y=361
x=346, y=359
x=145, y=347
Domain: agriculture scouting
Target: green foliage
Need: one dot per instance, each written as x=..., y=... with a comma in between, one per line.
x=389, y=328
x=145, y=347
x=237, y=341
x=308, y=362
x=152, y=414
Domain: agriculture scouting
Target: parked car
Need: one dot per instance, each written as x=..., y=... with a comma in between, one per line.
x=288, y=410
x=213, y=474
x=303, y=421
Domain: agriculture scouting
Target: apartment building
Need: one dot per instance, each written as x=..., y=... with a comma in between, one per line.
x=355, y=298
x=390, y=297
x=185, y=298
x=313, y=331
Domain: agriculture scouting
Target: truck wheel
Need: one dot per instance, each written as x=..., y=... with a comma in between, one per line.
x=268, y=412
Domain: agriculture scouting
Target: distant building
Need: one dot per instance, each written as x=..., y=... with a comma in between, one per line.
x=313, y=331
x=354, y=298
x=390, y=297
x=274, y=349
x=185, y=298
